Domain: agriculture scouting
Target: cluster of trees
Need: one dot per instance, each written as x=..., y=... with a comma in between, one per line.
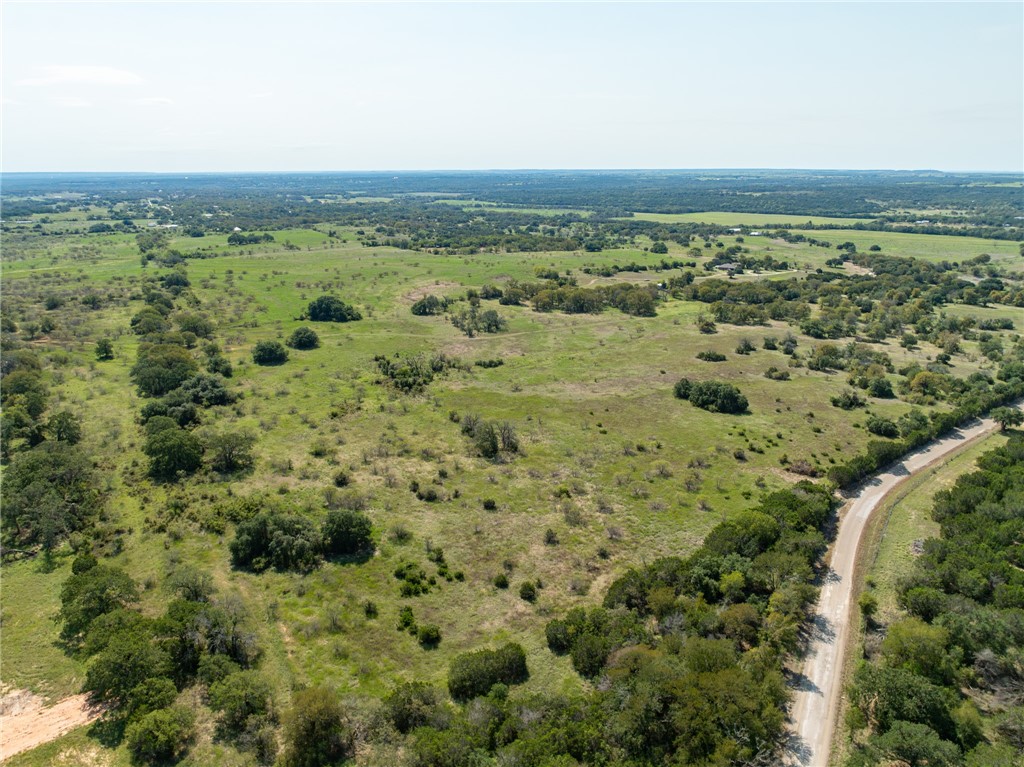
x=945, y=686
x=138, y=664
x=429, y=305
x=713, y=396
x=637, y=300
x=49, y=492
x=489, y=439
x=49, y=489
x=610, y=270
x=412, y=374
x=168, y=373
x=474, y=674
x=743, y=260
x=288, y=541
x=899, y=292
x=295, y=200
x=256, y=238
x=686, y=656
x=472, y=321
x=330, y=309
x=915, y=430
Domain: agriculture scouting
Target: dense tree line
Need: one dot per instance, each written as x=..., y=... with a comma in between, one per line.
x=138, y=664
x=686, y=655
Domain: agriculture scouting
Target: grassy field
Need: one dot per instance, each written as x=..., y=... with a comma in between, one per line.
x=725, y=218
x=617, y=467
x=930, y=247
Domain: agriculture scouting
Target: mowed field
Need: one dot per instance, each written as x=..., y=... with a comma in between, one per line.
x=620, y=470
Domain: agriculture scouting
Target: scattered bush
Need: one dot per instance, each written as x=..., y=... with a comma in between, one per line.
x=275, y=539
x=303, y=338
x=712, y=396
x=269, y=353
x=428, y=635
x=711, y=356
x=474, y=674
x=315, y=730
x=331, y=309
x=347, y=532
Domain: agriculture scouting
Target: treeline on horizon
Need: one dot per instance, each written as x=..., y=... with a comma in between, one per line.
x=987, y=197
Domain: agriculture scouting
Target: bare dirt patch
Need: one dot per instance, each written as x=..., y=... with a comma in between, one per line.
x=27, y=724
x=425, y=290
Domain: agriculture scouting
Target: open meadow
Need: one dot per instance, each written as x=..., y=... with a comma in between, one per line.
x=612, y=471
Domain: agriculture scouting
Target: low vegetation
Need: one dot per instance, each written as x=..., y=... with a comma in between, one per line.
x=407, y=481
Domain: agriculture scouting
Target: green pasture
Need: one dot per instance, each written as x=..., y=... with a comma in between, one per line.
x=618, y=468
x=725, y=218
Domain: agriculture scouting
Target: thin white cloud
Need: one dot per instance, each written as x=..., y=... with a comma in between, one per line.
x=59, y=74
x=70, y=102
x=154, y=101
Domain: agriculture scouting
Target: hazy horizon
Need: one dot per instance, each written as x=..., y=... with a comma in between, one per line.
x=264, y=87
x=354, y=171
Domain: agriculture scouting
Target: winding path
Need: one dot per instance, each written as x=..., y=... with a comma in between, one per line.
x=819, y=686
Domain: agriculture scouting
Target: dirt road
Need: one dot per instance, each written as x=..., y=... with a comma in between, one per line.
x=819, y=685
x=26, y=724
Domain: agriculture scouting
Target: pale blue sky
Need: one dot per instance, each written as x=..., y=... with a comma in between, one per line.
x=248, y=86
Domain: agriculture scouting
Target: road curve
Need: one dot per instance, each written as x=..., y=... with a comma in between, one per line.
x=819, y=686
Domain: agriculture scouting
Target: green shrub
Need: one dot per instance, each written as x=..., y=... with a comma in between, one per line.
x=315, y=730
x=161, y=736
x=278, y=540
x=711, y=356
x=269, y=353
x=347, y=532
x=93, y=592
x=171, y=451
x=151, y=695
x=303, y=338
x=332, y=309
x=429, y=305
x=428, y=635
x=848, y=400
x=412, y=705
x=883, y=427
x=473, y=674
x=240, y=696
x=713, y=396
x=160, y=368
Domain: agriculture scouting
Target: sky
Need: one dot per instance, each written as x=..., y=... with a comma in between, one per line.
x=243, y=86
